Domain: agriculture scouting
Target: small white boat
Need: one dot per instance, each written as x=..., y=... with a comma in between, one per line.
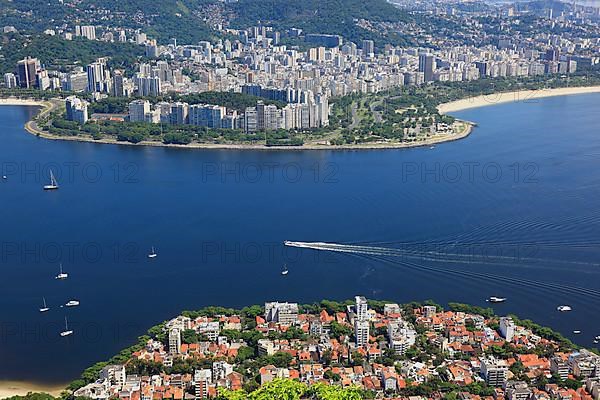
x=285, y=270
x=4, y=177
x=596, y=341
x=53, y=183
x=152, y=253
x=564, y=308
x=495, y=299
x=72, y=303
x=431, y=147
x=44, y=308
x=62, y=275
x=577, y=332
x=597, y=337
x=67, y=331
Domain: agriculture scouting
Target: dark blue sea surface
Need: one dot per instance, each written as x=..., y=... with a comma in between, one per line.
x=512, y=210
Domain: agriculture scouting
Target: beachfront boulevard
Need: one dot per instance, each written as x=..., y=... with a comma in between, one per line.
x=351, y=350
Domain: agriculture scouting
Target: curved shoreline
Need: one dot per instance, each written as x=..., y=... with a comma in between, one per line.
x=519, y=96
x=21, y=388
x=49, y=105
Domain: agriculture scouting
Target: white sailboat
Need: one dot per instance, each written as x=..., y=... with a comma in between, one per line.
x=44, y=308
x=285, y=270
x=62, y=275
x=67, y=331
x=152, y=253
x=53, y=183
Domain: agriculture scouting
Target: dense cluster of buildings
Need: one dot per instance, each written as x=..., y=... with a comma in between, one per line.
x=294, y=116
x=323, y=354
x=257, y=63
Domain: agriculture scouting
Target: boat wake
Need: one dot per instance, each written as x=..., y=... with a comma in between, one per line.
x=392, y=256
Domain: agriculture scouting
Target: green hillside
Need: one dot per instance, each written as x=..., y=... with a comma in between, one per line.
x=184, y=19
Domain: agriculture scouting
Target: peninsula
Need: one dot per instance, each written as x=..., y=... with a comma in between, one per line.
x=350, y=350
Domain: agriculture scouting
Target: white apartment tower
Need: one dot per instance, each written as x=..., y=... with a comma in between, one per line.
x=174, y=340
x=361, y=321
x=507, y=328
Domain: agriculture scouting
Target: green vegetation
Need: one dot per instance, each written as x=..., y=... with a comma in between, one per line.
x=466, y=308
x=187, y=20
x=406, y=113
x=231, y=100
x=32, y=396
x=403, y=114
x=248, y=362
x=337, y=17
x=286, y=389
x=57, y=53
x=136, y=132
x=162, y=20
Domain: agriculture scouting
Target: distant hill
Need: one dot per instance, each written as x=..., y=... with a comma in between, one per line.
x=320, y=16
x=185, y=19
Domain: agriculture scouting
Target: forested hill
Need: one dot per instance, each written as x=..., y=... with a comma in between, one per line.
x=339, y=17
x=189, y=20
x=162, y=19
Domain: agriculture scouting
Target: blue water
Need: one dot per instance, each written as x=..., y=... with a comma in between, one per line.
x=511, y=211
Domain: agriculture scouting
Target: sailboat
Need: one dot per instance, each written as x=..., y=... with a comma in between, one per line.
x=66, y=332
x=44, y=308
x=152, y=253
x=53, y=183
x=284, y=271
x=62, y=275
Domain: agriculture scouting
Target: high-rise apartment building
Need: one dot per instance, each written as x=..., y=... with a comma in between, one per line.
x=426, y=66
x=26, y=72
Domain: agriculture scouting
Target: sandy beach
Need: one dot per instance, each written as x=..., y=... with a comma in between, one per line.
x=48, y=106
x=467, y=129
x=18, y=388
x=521, y=96
x=13, y=101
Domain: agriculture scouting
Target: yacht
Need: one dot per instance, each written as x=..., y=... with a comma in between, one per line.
x=577, y=332
x=495, y=299
x=62, y=275
x=44, y=308
x=152, y=253
x=67, y=331
x=564, y=308
x=72, y=303
x=285, y=270
x=53, y=183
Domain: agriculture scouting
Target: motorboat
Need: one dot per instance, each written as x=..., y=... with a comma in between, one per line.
x=72, y=303
x=495, y=299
